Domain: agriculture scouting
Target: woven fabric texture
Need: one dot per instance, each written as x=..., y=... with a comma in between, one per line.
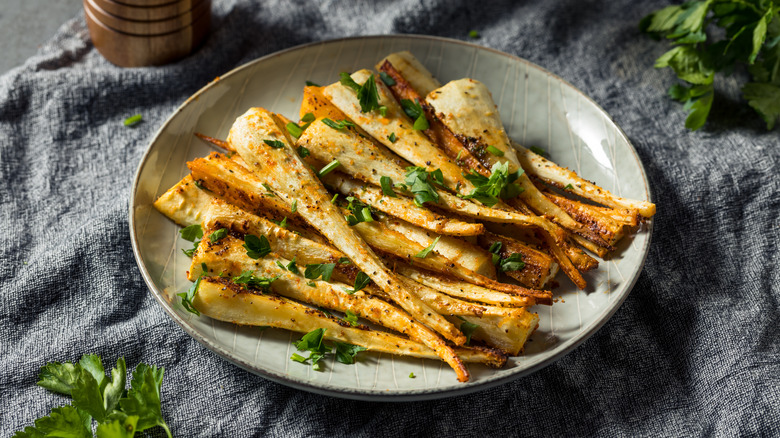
x=693, y=350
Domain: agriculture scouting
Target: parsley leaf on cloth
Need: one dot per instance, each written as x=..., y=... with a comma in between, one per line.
x=749, y=35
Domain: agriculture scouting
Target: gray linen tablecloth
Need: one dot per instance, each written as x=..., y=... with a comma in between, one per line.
x=693, y=350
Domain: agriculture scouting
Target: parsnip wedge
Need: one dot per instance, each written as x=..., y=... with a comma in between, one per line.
x=265, y=148
x=461, y=289
x=401, y=207
x=228, y=302
x=551, y=173
x=466, y=107
x=419, y=77
x=410, y=144
x=228, y=256
x=539, y=268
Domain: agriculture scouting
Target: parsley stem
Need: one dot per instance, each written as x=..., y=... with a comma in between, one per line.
x=329, y=168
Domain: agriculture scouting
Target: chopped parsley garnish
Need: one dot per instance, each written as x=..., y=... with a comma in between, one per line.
x=569, y=187
x=329, y=168
x=424, y=253
x=346, y=353
x=313, y=271
x=421, y=183
x=192, y=233
x=187, y=297
x=500, y=185
x=343, y=261
x=312, y=84
x=495, y=248
x=412, y=376
x=360, y=212
x=468, y=329
x=292, y=267
x=250, y=281
x=282, y=223
x=538, y=151
x=311, y=284
x=383, y=111
x=276, y=144
x=270, y=190
x=387, y=186
x=199, y=185
x=367, y=94
x=512, y=263
x=333, y=199
x=338, y=126
x=219, y=234
x=294, y=129
x=318, y=349
x=133, y=120
x=361, y=281
x=256, y=247
x=415, y=112
x=303, y=152
x=389, y=81
x=308, y=118
x=294, y=206
x=392, y=137
x=350, y=317
x=473, y=34
x=495, y=151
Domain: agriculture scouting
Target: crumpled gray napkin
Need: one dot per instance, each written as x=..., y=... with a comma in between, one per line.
x=693, y=350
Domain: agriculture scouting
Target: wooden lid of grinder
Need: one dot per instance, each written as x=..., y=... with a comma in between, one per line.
x=139, y=43
x=147, y=13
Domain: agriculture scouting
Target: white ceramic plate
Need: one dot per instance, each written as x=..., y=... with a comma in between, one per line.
x=537, y=108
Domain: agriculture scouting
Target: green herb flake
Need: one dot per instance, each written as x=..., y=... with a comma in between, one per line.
x=294, y=206
x=294, y=129
x=468, y=329
x=303, y=152
x=473, y=34
x=191, y=233
x=256, y=247
x=344, y=261
x=133, y=120
x=219, y=234
x=538, y=151
x=422, y=184
x=308, y=118
x=367, y=94
x=350, y=317
x=276, y=144
x=311, y=284
x=387, y=79
x=361, y=281
x=412, y=376
x=312, y=84
x=249, y=281
x=338, y=126
x=495, y=151
x=512, y=263
x=500, y=185
x=329, y=168
x=387, y=186
x=314, y=271
x=187, y=297
x=415, y=112
x=347, y=353
x=392, y=137
x=569, y=187
x=424, y=253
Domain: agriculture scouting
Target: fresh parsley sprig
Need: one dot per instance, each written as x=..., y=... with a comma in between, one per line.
x=423, y=184
x=118, y=412
x=192, y=233
x=414, y=110
x=750, y=36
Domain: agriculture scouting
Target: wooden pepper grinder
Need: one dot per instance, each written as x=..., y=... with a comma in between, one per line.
x=137, y=33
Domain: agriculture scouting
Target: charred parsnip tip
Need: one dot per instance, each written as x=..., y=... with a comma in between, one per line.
x=568, y=180
x=412, y=70
x=255, y=135
x=224, y=301
x=466, y=107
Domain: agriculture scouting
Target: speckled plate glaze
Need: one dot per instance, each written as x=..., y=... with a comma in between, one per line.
x=537, y=108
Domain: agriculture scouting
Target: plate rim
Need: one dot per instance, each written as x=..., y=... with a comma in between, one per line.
x=369, y=394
